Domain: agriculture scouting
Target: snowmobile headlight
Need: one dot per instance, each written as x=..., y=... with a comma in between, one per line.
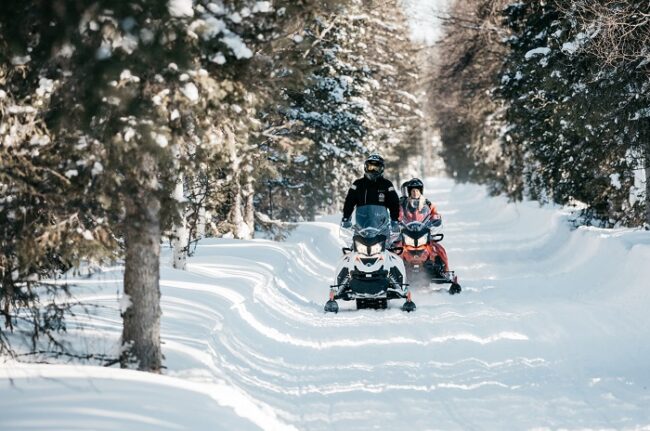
x=423, y=239
x=360, y=247
x=409, y=241
x=376, y=249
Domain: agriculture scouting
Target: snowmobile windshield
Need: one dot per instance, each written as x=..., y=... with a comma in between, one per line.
x=416, y=226
x=372, y=220
x=416, y=215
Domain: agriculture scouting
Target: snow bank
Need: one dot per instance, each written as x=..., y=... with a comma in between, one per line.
x=103, y=398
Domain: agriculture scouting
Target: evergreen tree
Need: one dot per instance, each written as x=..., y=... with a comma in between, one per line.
x=356, y=98
x=397, y=124
x=541, y=109
x=619, y=36
x=326, y=119
x=145, y=93
x=49, y=221
x=465, y=63
x=570, y=114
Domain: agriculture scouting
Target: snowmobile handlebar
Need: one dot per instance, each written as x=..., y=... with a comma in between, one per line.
x=428, y=221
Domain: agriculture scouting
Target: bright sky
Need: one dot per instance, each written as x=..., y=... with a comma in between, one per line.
x=422, y=14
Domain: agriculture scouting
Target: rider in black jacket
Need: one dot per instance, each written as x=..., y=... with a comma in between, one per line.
x=372, y=189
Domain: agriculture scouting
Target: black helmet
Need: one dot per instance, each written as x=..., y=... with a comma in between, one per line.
x=373, y=167
x=415, y=183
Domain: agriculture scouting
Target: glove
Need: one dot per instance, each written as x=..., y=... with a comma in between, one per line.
x=346, y=223
x=394, y=226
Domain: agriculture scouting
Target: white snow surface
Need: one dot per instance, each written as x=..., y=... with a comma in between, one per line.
x=550, y=332
x=180, y=8
x=190, y=91
x=262, y=7
x=543, y=50
x=238, y=47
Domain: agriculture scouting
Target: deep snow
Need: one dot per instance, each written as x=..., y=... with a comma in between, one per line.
x=551, y=332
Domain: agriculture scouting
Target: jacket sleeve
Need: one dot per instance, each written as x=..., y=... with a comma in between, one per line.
x=350, y=201
x=392, y=202
x=433, y=209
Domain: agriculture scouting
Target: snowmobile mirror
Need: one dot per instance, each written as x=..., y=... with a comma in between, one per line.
x=396, y=250
x=437, y=237
x=347, y=250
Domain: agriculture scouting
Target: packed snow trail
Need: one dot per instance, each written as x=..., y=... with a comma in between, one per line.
x=550, y=331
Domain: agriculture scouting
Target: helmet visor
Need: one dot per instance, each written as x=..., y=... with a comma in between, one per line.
x=373, y=167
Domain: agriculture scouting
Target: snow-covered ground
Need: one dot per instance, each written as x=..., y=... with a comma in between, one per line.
x=551, y=332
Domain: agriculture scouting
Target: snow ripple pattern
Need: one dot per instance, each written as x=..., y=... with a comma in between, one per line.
x=534, y=341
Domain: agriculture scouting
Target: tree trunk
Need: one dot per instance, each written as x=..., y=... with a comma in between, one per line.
x=141, y=332
x=241, y=230
x=202, y=222
x=236, y=216
x=201, y=218
x=249, y=205
x=180, y=240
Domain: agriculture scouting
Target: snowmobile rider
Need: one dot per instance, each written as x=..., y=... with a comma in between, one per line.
x=372, y=189
x=414, y=202
x=414, y=208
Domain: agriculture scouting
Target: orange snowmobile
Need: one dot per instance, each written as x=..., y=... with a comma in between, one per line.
x=424, y=259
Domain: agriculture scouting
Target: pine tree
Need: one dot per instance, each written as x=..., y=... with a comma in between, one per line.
x=49, y=221
x=619, y=36
x=466, y=62
x=356, y=98
x=550, y=115
x=565, y=110
x=397, y=124
x=144, y=94
x=326, y=116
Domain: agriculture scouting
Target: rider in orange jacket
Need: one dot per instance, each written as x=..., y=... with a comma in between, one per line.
x=415, y=208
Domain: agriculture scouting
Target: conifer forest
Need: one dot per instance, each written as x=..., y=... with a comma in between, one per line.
x=143, y=139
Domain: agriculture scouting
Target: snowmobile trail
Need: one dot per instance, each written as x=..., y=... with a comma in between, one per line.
x=550, y=331
x=498, y=355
